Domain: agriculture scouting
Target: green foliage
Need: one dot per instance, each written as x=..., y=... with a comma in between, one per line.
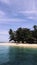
x=11, y=33
x=35, y=27
x=23, y=34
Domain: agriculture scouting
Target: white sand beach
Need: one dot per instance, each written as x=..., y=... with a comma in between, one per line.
x=19, y=45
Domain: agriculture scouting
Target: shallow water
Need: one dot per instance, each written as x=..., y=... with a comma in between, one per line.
x=17, y=56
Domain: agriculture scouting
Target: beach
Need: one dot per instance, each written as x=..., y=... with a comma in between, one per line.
x=19, y=45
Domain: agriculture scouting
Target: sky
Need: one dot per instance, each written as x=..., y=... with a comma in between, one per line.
x=15, y=14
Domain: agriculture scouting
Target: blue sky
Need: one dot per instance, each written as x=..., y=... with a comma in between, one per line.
x=15, y=14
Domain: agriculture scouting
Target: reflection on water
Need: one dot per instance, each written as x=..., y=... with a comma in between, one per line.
x=17, y=56
x=3, y=54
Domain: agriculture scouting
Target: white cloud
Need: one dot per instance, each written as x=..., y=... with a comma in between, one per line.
x=3, y=32
x=10, y=20
x=32, y=17
x=32, y=14
x=29, y=12
x=8, y=2
x=2, y=14
x=5, y=1
x=4, y=38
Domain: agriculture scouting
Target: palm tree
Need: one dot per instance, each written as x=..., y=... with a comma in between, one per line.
x=11, y=33
x=35, y=32
x=18, y=34
x=35, y=27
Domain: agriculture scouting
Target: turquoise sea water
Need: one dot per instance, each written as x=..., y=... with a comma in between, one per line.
x=17, y=56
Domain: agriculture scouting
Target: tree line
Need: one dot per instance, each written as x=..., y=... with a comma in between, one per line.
x=23, y=35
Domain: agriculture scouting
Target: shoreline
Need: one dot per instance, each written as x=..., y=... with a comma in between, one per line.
x=19, y=45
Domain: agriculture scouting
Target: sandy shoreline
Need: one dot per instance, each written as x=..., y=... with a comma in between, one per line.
x=19, y=45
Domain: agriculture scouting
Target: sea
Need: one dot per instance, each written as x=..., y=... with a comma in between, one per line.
x=17, y=56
